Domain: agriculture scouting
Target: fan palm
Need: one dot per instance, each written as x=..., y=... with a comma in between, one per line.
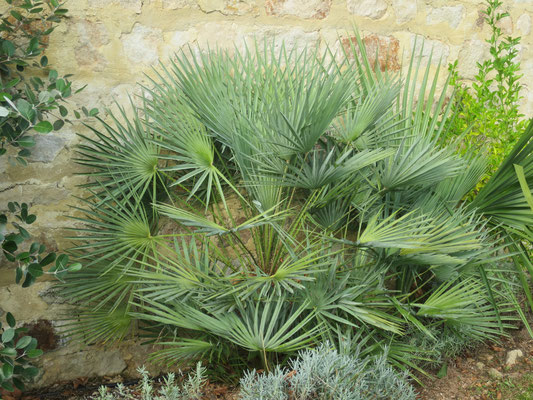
x=269, y=199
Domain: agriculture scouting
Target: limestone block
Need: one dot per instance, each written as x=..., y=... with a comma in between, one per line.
x=523, y=1
x=134, y=5
x=523, y=24
x=438, y=50
x=472, y=52
x=33, y=191
x=3, y=164
x=299, y=8
x=174, y=41
x=494, y=373
x=135, y=355
x=374, y=9
x=295, y=38
x=24, y=303
x=506, y=25
x=47, y=147
x=527, y=105
x=177, y=4
x=222, y=34
x=91, y=36
x=124, y=93
x=386, y=48
x=405, y=10
x=140, y=46
x=64, y=365
x=228, y=7
x=452, y=15
x=92, y=32
x=512, y=357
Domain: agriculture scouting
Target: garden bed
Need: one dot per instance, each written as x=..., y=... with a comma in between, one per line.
x=483, y=373
x=474, y=375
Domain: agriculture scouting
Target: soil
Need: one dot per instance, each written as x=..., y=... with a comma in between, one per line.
x=84, y=389
x=480, y=374
x=470, y=376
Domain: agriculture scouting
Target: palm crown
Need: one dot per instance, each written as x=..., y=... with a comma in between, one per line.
x=266, y=200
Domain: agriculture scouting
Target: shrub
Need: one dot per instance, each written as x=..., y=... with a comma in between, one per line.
x=259, y=203
x=190, y=389
x=27, y=102
x=30, y=261
x=487, y=113
x=322, y=374
x=16, y=352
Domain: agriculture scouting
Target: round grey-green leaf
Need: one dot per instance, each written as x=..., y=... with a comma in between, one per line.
x=8, y=335
x=23, y=342
x=8, y=47
x=7, y=370
x=74, y=267
x=11, y=320
x=4, y=112
x=26, y=141
x=43, y=127
x=8, y=351
x=44, y=96
x=34, y=353
x=30, y=372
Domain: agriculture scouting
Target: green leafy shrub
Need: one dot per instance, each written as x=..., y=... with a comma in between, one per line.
x=190, y=389
x=487, y=113
x=322, y=374
x=30, y=261
x=259, y=203
x=16, y=352
x=29, y=101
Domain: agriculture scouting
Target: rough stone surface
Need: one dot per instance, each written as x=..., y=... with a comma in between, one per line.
x=178, y=40
x=86, y=363
x=220, y=34
x=437, y=50
x=296, y=38
x=506, y=25
x=471, y=52
x=33, y=191
x=385, y=48
x=47, y=147
x=140, y=46
x=227, y=7
x=405, y=10
x=373, y=9
x=91, y=37
x=512, y=357
x=494, y=373
x=300, y=8
x=135, y=5
x=25, y=303
x=177, y=4
x=524, y=24
x=452, y=15
x=91, y=32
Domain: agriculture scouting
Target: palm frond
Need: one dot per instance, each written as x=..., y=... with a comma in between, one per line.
x=502, y=198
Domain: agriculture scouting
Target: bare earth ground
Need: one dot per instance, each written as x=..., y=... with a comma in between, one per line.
x=468, y=377
x=83, y=389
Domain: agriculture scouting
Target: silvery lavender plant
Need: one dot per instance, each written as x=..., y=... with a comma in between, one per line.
x=323, y=374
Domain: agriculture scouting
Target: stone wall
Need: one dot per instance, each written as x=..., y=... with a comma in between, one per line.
x=110, y=44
